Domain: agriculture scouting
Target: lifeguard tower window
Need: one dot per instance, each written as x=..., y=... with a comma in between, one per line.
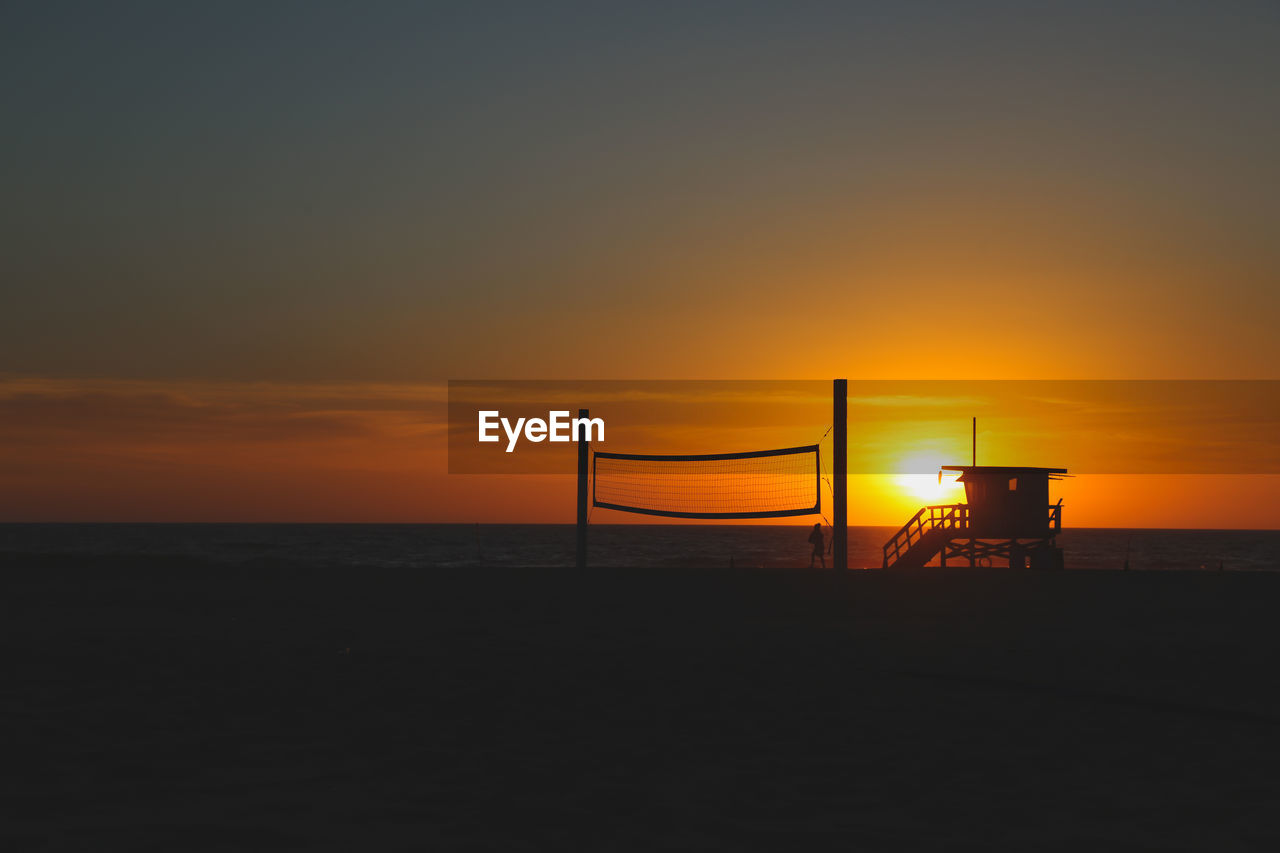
x=1013, y=484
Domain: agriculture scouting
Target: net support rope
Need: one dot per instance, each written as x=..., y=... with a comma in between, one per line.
x=826, y=478
x=754, y=484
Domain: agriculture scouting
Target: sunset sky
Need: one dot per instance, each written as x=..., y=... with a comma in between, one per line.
x=247, y=245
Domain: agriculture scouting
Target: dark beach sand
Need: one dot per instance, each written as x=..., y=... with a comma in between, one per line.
x=182, y=708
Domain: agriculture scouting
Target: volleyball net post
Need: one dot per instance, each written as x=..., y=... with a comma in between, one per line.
x=840, y=474
x=584, y=450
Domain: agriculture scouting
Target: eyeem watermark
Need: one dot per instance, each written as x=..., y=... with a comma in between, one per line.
x=557, y=427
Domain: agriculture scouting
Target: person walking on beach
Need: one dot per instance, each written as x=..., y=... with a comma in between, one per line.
x=818, y=550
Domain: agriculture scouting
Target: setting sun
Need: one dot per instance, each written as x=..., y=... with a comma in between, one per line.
x=928, y=488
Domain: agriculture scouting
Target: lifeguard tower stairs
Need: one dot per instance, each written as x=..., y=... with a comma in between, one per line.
x=1006, y=516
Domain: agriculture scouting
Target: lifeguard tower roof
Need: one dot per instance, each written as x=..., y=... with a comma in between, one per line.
x=967, y=471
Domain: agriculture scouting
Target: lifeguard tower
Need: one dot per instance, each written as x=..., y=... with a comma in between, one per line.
x=1006, y=515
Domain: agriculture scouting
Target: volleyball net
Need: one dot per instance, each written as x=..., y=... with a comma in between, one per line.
x=754, y=484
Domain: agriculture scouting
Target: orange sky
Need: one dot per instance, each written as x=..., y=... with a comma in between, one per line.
x=246, y=248
x=117, y=450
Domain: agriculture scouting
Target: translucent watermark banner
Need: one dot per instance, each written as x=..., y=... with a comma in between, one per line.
x=894, y=426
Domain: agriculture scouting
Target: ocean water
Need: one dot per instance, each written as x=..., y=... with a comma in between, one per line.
x=440, y=546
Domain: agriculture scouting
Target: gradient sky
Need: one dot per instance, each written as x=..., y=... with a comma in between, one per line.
x=203, y=197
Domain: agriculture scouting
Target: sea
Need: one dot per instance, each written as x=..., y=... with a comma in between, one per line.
x=462, y=546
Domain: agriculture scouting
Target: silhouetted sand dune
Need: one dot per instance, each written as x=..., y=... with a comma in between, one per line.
x=177, y=707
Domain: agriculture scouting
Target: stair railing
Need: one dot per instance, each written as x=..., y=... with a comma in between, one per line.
x=926, y=520
x=901, y=541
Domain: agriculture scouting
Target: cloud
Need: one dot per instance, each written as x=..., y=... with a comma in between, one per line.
x=129, y=413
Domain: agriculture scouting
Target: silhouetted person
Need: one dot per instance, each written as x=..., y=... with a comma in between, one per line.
x=818, y=550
